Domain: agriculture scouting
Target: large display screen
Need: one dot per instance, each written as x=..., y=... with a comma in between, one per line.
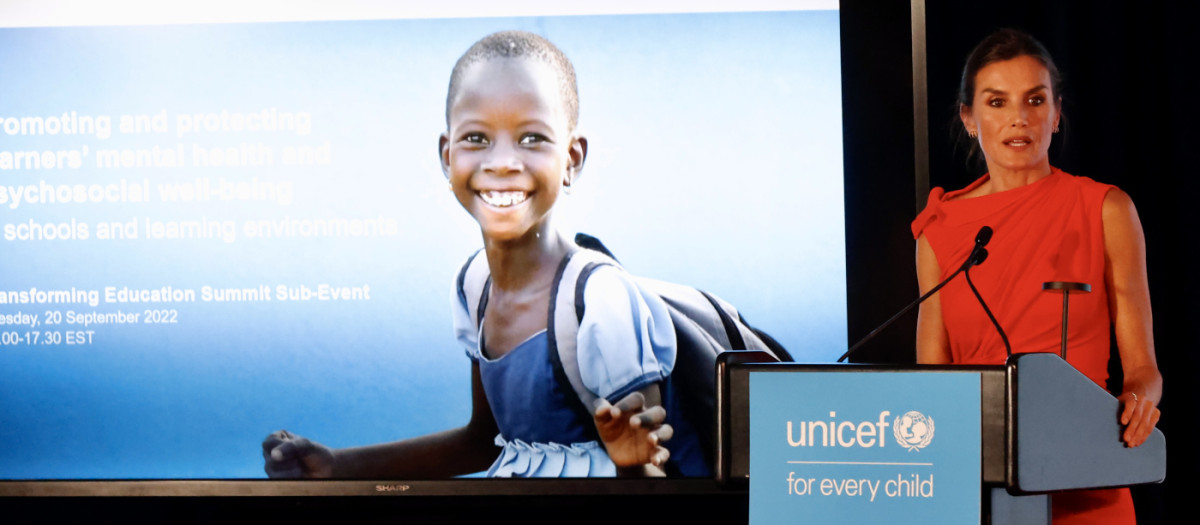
x=211, y=230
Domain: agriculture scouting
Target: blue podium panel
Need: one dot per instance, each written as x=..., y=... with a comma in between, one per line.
x=1066, y=434
x=864, y=447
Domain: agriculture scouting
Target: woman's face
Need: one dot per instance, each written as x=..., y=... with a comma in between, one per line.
x=1014, y=114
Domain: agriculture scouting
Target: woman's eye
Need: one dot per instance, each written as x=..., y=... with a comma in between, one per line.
x=996, y=102
x=1036, y=101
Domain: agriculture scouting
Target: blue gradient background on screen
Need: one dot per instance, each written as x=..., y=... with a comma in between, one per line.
x=715, y=161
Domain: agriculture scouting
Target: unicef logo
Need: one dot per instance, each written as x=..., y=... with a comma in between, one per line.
x=913, y=430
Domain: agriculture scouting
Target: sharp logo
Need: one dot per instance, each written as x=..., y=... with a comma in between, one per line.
x=913, y=430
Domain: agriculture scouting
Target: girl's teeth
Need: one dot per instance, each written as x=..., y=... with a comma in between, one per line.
x=503, y=199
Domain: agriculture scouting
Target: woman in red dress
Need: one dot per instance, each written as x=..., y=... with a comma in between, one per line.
x=1049, y=226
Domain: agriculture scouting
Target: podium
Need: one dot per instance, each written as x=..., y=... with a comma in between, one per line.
x=1045, y=427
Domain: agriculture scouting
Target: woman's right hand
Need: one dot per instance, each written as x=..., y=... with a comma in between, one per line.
x=290, y=456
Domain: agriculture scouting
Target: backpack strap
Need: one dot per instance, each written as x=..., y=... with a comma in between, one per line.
x=474, y=280
x=566, y=308
x=566, y=312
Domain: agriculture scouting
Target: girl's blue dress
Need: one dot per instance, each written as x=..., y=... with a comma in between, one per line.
x=626, y=342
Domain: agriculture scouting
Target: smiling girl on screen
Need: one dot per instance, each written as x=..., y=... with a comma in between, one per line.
x=510, y=150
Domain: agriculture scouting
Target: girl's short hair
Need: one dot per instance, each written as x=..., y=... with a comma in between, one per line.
x=519, y=44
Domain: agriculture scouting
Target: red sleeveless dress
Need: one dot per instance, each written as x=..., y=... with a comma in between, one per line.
x=1051, y=230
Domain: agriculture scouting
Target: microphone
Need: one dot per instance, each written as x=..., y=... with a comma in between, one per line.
x=978, y=255
x=983, y=237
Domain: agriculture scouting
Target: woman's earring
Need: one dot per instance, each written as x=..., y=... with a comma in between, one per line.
x=971, y=133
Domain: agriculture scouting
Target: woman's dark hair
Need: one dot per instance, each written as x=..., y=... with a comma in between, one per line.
x=1004, y=44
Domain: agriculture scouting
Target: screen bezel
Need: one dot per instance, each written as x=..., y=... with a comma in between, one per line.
x=880, y=180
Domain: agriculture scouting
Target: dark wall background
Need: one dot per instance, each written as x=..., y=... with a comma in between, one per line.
x=1128, y=69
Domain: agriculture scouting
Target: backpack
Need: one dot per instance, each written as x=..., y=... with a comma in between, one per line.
x=704, y=324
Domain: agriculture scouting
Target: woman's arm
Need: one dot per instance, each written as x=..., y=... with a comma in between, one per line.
x=933, y=345
x=445, y=454
x=1129, y=305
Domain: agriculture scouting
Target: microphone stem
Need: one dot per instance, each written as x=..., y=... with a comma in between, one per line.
x=900, y=313
x=977, y=256
x=988, y=311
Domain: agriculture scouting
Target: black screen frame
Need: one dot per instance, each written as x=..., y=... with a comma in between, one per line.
x=881, y=177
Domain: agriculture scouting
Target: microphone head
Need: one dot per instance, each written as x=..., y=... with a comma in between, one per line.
x=980, y=254
x=983, y=237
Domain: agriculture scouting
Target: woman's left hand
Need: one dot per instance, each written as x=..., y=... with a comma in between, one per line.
x=1139, y=415
x=1126, y=279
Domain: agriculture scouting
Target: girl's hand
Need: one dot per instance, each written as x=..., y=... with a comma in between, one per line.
x=632, y=433
x=290, y=456
x=1139, y=416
